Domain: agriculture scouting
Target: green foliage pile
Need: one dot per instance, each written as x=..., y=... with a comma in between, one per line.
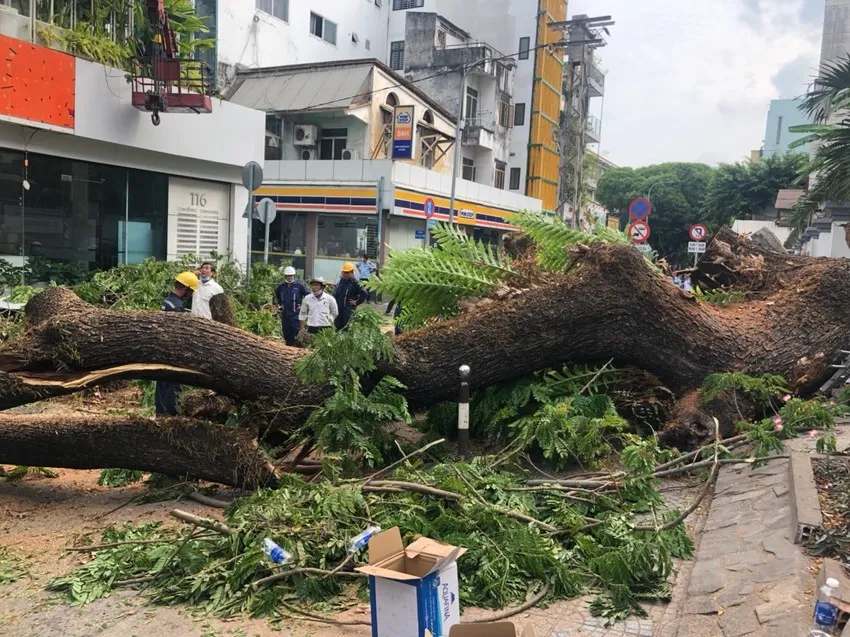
x=13, y=566
x=350, y=421
x=762, y=390
x=832, y=476
x=118, y=477
x=720, y=297
x=593, y=549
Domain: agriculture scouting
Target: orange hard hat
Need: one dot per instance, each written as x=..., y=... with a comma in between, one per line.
x=348, y=267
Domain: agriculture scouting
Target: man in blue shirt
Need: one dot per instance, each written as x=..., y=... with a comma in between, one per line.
x=165, y=395
x=348, y=295
x=366, y=269
x=288, y=297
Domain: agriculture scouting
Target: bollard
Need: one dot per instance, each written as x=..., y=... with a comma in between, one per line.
x=463, y=412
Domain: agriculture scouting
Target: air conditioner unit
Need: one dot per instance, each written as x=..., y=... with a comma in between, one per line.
x=306, y=135
x=349, y=154
x=307, y=154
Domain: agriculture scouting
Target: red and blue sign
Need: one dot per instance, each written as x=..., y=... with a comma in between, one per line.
x=430, y=207
x=640, y=208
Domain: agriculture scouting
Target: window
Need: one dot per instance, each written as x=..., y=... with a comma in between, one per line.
x=505, y=118
x=428, y=117
x=368, y=45
x=519, y=114
x=392, y=99
x=397, y=55
x=274, y=130
x=339, y=238
x=332, y=142
x=499, y=178
x=468, y=170
x=426, y=154
x=323, y=28
x=471, y=103
x=515, y=176
x=277, y=8
x=779, y=131
x=524, y=46
x=401, y=5
x=287, y=239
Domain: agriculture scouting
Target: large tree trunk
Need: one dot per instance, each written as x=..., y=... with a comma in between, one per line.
x=611, y=305
x=174, y=446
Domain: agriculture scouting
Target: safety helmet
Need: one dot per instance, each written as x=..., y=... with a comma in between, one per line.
x=348, y=266
x=318, y=279
x=289, y=271
x=189, y=279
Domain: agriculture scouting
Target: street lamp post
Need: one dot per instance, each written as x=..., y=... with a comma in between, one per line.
x=649, y=194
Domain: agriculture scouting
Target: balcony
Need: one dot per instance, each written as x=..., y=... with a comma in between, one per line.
x=594, y=129
x=479, y=133
x=595, y=81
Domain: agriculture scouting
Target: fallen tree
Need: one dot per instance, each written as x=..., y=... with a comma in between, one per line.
x=608, y=304
x=173, y=446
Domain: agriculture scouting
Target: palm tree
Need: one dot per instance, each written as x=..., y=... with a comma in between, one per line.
x=828, y=104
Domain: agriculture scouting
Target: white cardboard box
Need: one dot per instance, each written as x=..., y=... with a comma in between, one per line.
x=412, y=590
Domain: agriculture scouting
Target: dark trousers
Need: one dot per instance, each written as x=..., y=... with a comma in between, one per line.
x=370, y=296
x=316, y=330
x=165, y=398
x=291, y=326
x=390, y=306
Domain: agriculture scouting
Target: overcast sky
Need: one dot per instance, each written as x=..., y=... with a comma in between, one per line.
x=692, y=80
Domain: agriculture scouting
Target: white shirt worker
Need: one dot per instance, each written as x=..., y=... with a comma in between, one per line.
x=319, y=311
x=201, y=298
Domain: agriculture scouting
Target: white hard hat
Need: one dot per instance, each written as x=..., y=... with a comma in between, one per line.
x=289, y=271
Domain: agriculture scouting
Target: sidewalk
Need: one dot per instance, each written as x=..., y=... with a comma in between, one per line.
x=747, y=578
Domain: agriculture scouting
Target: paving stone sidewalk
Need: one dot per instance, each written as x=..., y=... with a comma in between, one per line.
x=748, y=578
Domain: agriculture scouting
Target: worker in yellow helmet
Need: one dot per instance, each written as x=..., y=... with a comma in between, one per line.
x=348, y=295
x=165, y=396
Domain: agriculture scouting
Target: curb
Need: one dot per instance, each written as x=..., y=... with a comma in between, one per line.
x=806, y=518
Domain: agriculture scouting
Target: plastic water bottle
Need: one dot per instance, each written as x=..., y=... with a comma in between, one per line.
x=826, y=611
x=361, y=539
x=275, y=553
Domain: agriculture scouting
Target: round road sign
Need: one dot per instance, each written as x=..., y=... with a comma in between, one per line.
x=266, y=210
x=430, y=206
x=698, y=232
x=640, y=208
x=639, y=231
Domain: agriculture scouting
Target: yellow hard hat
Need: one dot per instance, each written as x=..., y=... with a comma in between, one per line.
x=189, y=279
x=348, y=267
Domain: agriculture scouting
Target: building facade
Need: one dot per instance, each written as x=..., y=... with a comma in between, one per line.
x=89, y=183
x=784, y=114
x=331, y=173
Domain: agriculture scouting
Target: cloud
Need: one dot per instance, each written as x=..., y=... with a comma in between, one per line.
x=691, y=81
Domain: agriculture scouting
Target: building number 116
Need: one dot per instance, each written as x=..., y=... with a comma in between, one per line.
x=198, y=198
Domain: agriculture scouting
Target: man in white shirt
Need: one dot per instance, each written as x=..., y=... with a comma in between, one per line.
x=207, y=289
x=319, y=309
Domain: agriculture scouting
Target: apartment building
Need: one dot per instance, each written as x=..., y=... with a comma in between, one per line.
x=86, y=181
x=330, y=166
x=782, y=115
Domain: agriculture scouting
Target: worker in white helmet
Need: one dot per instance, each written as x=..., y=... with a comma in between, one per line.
x=288, y=298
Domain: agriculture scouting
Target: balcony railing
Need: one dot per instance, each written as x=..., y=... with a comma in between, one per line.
x=595, y=81
x=594, y=129
x=479, y=132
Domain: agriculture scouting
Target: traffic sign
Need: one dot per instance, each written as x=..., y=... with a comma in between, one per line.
x=645, y=248
x=696, y=247
x=430, y=207
x=432, y=223
x=252, y=176
x=698, y=232
x=639, y=231
x=640, y=208
x=266, y=211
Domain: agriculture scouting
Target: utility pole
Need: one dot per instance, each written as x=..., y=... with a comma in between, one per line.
x=582, y=81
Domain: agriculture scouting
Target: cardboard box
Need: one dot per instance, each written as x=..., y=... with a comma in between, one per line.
x=412, y=590
x=500, y=629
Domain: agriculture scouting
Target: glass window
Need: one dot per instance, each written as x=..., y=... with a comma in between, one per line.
x=519, y=114
x=524, y=47
x=274, y=133
x=11, y=194
x=287, y=239
x=468, y=172
x=401, y=5
x=277, y=8
x=323, y=28
x=340, y=239
x=499, y=178
x=505, y=119
x=332, y=142
x=397, y=55
x=516, y=173
x=147, y=215
x=471, y=103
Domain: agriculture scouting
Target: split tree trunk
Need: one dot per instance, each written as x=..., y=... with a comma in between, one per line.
x=174, y=446
x=610, y=306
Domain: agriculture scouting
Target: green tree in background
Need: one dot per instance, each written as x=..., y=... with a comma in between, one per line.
x=745, y=189
x=678, y=194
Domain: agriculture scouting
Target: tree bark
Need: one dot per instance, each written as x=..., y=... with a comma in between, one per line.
x=174, y=446
x=611, y=305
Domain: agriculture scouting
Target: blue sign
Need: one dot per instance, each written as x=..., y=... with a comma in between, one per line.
x=640, y=208
x=429, y=208
x=420, y=234
x=432, y=223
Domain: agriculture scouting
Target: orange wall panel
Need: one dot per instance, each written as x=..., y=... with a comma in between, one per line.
x=38, y=84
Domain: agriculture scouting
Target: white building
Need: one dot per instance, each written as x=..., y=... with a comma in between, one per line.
x=330, y=173
x=87, y=182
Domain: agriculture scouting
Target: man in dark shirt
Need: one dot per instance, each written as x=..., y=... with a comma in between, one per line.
x=288, y=297
x=165, y=396
x=348, y=295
